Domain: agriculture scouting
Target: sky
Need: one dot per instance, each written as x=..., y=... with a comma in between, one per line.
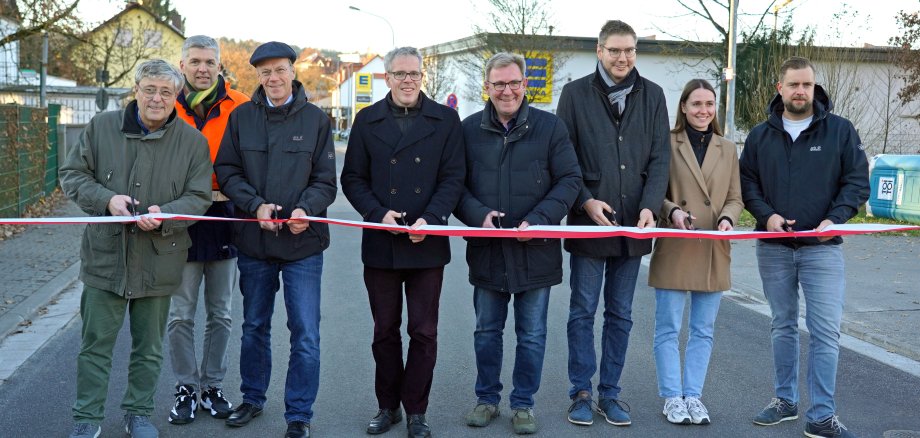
x=331, y=24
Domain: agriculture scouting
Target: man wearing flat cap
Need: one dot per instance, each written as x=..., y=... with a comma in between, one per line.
x=277, y=164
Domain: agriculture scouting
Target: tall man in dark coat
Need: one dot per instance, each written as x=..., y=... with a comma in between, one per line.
x=277, y=160
x=619, y=125
x=404, y=166
x=522, y=171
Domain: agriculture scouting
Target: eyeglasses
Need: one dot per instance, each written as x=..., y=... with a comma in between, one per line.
x=500, y=86
x=401, y=75
x=615, y=53
x=267, y=73
x=165, y=94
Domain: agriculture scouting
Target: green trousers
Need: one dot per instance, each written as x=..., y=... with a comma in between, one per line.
x=103, y=314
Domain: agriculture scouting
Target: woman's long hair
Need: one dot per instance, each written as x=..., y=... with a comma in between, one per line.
x=680, y=123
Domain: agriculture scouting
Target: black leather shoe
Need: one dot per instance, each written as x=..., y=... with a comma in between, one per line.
x=297, y=429
x=383, y=420
x=243, y=414
x=418, y=427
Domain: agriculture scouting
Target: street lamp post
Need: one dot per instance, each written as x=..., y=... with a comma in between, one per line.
x=392, y=34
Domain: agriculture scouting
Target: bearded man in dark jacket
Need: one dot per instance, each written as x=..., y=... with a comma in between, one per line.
x=618, y=123
x=803, y=169
x=277, y=161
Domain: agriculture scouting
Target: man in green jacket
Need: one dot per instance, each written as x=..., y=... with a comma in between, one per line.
x=128, y=163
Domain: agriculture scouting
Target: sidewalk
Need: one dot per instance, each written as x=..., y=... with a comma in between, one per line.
x=35, y=266
x=882, y=302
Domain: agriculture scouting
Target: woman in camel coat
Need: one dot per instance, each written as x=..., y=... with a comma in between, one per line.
x=704, y=193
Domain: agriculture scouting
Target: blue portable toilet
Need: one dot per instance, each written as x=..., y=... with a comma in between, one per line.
x=895, y=187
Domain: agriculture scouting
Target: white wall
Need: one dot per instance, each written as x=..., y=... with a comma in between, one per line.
x=663, y=70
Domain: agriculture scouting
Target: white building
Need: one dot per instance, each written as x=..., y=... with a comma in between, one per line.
x=360, y=86
x=871, y=84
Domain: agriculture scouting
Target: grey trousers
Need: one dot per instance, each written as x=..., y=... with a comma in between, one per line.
x=220, y=277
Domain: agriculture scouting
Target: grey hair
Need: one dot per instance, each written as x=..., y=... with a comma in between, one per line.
x=401, y=51
x=504, y=59
x=159, y=69
x=200, y=42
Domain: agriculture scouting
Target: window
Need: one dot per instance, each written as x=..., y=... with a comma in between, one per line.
x=153, y=39
x=123, y=37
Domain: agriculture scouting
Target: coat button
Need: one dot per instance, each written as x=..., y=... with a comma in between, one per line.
x=392, y=191
x=418, y=160
x=623, y=196
x=621, y=138
x=706, y=202
x=418, y=190
x=392, y=161
x=623, y=166
x=683, y=203
x=129, y=292
x=174, y=244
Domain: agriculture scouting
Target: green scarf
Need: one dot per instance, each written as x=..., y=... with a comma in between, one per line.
x=205, y=97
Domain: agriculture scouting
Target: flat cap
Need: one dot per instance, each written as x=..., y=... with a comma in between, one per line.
x=272, y=49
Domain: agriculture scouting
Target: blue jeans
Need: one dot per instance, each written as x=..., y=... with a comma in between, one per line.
x=819, y=271
x=259, y=283
x=529, y=326
x=669, y=315
x=617, y=276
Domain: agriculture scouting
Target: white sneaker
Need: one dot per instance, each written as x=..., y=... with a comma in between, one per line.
x=698, y=412
x=676, y=411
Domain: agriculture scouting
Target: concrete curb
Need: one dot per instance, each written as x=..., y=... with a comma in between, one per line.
x=27, y=309
x=849, y=327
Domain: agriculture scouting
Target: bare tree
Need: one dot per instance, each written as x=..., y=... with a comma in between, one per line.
x=524, y=27
x=716, y=14
x=436, y=81
x=37, y=16
x=118, y=51
x=909, y=57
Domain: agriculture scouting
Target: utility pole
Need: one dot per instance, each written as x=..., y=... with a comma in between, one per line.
x=729, y=73
x=43, y=78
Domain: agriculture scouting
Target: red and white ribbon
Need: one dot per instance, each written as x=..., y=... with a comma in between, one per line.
x=536, y=231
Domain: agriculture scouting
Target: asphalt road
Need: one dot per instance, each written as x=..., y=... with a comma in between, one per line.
x=872, y=398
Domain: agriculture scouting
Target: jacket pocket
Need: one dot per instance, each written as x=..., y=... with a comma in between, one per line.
x=169, y=255
x=544, y=259
x=478, y=253
x=592, y=181
x=302, y=146
x=102, y=250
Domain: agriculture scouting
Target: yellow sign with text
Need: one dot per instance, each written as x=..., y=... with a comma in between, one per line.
x=364, y=82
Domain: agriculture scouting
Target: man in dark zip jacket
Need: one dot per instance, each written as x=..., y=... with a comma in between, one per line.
x=618, y=123
x=803, y=169
x=277, y=161
x=521, y=171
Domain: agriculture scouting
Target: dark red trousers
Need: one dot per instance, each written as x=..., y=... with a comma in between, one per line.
x=397, y=382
